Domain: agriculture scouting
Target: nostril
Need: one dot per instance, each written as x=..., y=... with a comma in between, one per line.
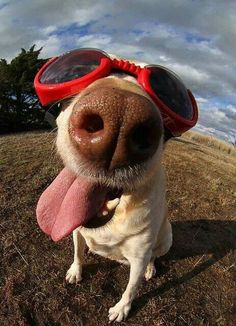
x=142, y=140
x=91, y=123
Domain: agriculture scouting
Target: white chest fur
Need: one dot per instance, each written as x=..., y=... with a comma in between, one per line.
x=133, y=228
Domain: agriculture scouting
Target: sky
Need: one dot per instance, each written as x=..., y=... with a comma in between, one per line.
x=194, y=38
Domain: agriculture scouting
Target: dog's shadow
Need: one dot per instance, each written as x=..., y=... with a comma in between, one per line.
x=211, y=239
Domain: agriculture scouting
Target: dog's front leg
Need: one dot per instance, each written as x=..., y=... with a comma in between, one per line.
x=74, y=273
x=137, y=268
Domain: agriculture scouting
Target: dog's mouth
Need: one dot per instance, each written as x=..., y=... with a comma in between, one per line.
x=107, y=209
x=71, y=201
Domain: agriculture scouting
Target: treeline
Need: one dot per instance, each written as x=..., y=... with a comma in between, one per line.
x=19, y=106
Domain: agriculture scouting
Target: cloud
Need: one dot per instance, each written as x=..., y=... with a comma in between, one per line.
x=217, y=121
x=193, y=38
x=230, y=112
x=98, y=41
x=51, y=44
x=201, y=100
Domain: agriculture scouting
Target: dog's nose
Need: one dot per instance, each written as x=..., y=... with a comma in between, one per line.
x=115, y=128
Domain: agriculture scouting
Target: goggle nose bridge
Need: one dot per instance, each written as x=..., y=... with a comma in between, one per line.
x=126, y=66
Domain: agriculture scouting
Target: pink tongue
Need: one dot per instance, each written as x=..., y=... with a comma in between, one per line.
x=67, y=203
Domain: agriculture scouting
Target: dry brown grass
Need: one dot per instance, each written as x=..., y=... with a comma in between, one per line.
x=195, y=282
x=211, y=142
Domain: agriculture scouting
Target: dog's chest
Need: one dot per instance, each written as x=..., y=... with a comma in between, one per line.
x=106, y=245
x=129, y=229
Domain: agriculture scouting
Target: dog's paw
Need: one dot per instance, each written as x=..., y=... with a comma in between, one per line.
x=119, y=312
x=74, y=273
x=150, y=271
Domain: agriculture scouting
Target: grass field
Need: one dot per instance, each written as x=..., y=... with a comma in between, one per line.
x=195, y=282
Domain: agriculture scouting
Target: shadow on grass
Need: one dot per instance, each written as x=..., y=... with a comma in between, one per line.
x=192, y=238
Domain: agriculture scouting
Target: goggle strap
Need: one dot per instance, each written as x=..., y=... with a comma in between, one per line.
x=126, y=66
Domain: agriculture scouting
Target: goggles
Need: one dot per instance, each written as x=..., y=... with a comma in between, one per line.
x=67, y=75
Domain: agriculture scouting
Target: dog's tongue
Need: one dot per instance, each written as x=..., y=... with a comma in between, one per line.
x=67, y=203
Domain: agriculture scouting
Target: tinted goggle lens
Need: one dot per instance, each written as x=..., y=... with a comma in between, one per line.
x=72, y=65
x=171, y=91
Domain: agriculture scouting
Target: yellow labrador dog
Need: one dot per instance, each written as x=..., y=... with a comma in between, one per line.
x=110, y=137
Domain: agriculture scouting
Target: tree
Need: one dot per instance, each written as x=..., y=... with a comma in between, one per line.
x=19, y=106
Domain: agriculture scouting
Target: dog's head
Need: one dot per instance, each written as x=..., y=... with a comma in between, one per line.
x=110, y=137
x=111, y=132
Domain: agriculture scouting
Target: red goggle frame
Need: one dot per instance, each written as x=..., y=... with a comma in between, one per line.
x=179, y=110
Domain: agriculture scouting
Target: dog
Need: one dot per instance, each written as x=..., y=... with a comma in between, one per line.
x=111, y=139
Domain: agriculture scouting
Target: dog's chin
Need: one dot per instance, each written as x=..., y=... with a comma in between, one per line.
x=127, y=178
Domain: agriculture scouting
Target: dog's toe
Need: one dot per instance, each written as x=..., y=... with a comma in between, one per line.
x=73, y=274
x=150, y=271
x=119, y=312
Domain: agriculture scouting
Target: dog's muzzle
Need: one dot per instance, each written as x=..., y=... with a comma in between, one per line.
x=114, y=128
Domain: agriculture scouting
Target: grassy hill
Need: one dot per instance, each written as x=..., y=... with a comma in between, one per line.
x=194, y=285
